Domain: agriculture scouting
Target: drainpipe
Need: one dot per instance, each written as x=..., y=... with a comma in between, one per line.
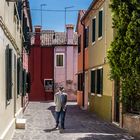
x=84, y=44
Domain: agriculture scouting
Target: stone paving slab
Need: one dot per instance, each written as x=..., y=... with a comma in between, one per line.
x=80, y=125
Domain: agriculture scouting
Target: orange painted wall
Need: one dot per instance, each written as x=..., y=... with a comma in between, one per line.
x=86, y=59
x=79, y=98
x=80, y=31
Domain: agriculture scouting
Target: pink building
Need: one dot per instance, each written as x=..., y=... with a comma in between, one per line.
x=65, y=63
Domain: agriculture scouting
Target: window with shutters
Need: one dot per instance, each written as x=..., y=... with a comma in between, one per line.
x=59, y=60
x=97, y=81
x=24, y=76
x=19, y=76
x=79, y=44
x=93, y=30
x=80, y=81
x=19, y=8
x=100, y=24
x=28, y=82
x=93, y=81
x=8, y=72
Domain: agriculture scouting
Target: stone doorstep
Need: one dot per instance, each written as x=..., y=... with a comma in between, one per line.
x=20, y=123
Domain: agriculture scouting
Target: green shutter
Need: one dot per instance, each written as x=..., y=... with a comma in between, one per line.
x=10, y=73
x=8, y=70
x=24, y=82
x=92, y=81
x=100, y=26
x=21, y=77
x=18, y=76
x=93, y=29
x=99, y=81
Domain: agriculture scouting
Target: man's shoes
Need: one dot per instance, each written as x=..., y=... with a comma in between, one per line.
x=61, y=130
x=56, y=128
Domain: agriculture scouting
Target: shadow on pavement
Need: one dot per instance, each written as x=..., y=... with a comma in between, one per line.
x=106, y=137
x=49, y=130
x=81, y=121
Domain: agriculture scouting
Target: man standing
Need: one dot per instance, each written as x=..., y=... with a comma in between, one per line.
x=60, y=99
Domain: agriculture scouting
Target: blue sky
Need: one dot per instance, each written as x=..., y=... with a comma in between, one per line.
x=56, y=20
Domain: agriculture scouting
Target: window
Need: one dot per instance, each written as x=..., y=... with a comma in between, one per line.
x=24, y=81
x=79, y=44
x=18, y=76
x=28, y=82
x=93, y=81
x=80, y=81
x=48, y=85
x=8, y=68
x=99, y=85
x=86, y=36
x=97, y=81
x=19, y=8
x=93, y=29
x=60, y=60
x=100, y=26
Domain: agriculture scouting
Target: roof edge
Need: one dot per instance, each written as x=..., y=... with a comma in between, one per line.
x=89, y=9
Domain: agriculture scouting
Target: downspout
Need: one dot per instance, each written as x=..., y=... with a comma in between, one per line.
x=83, y=76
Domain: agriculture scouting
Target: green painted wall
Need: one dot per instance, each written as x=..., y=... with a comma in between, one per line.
x=101, y=106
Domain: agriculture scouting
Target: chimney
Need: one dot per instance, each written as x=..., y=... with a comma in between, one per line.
x=69, y=33
x=37, y=35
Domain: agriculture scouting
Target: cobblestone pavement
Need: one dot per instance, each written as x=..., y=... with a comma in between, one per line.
x=80, y=125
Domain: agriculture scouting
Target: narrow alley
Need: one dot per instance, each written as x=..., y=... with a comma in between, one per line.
x=80, y=125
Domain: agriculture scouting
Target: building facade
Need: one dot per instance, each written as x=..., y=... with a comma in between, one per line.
x=11, y=42
x=65, y=63
x=97, y=20
x=41, y=68
x=53, y=62
x=82, y=92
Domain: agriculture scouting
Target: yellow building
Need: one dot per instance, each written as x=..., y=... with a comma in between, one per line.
x=99, y=22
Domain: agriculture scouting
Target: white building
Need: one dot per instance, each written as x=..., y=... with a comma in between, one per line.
x=10, y=52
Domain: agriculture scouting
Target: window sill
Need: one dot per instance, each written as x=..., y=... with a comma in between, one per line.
x=99, y=38
x=18, y=95
x=59, y=66
x=99, y=95
x=80, y=91
x=93, y=94
x=93, y=43
x=8, y=103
